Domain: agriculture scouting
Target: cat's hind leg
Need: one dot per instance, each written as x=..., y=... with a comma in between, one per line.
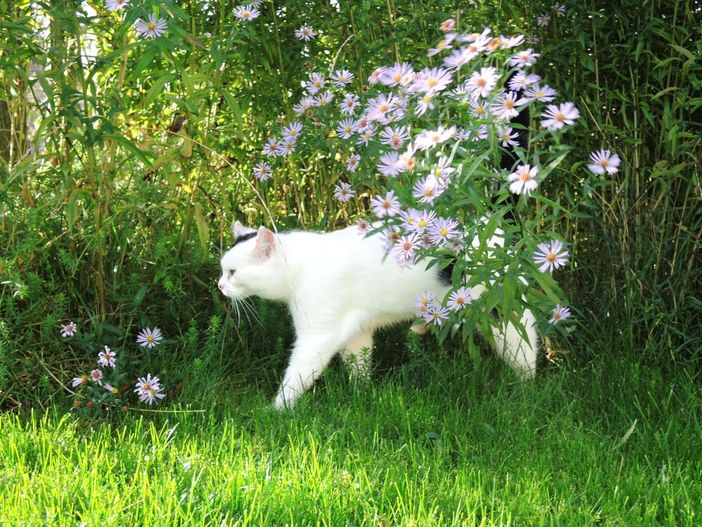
x=519, y=348
x=357, y=354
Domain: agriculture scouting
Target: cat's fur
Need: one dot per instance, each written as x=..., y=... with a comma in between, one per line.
x=340, y=287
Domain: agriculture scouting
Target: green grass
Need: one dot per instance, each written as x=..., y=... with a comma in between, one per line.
x=611, y=444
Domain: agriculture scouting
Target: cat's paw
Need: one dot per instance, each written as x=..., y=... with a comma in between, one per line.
x=420, y=328
x=283, y=401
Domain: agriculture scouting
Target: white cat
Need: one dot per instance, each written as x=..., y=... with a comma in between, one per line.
x=340, y=287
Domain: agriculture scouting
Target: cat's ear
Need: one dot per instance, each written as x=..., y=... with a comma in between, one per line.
x=265, y=244
x=240, y=230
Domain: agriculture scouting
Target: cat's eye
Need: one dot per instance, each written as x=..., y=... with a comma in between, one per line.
x=231, y=272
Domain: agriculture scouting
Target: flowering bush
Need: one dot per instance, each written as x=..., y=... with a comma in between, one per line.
x=447, y=143
x=109, y=386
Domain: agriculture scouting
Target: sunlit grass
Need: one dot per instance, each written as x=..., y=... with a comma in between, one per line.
x=612, y=445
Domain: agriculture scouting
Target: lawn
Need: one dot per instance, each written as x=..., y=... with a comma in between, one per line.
x=610, y=444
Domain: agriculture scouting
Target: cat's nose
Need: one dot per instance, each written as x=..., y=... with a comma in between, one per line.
x=221, y=286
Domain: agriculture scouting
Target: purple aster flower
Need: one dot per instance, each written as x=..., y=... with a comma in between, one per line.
x=246, y=12
x=550, y=256
x=68, y=330
x=559, y=313
x=148, y=338
x=523, y=181
x=558, y=116
x=387, y=206
x=346, y=128
x=604, y=161
x=152, y=29
x=343, y=192
x=459, y=299
x=442, y=230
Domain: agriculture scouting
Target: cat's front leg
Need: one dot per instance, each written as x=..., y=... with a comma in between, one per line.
x=310, y=356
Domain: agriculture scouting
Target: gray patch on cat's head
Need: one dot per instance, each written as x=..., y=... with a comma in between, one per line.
x=244, y=237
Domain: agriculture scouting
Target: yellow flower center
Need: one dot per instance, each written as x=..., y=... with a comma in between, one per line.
x=604, y=163
x=551, y=257
x=559, y=117
x=432, y=82
x=151, y=26
x=150, y=339
x=444, y=232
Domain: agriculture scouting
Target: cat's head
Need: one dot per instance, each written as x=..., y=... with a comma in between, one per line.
x=253, y=266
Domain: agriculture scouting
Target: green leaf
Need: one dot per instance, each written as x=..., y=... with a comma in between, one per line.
x=203, y=229
x=157, y=88
x=143, y=155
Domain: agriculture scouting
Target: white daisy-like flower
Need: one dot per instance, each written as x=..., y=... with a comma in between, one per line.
x=149, y=389
x=481, y=83
x=324, y=98
x=459, y=299
x=400, y=74
x=68, y=330
x=346, y=128
x=431, y=138
x=153, y=28
x=246, y=12
x=559, y=313
x=343, y=192
x=262, y=171
x=550, y=256
x=107, y=357
x=604, y=161
x=558, y=116
x=444, y=44
x=523, y=181
x=423, y=302
x=96, y=376
x=522, y=80
x=506, y=105
x=116, y=5
x=77, y=381
x=540, y=93
x=316, y=83
x=149, y=337
x=352, y=162
x=349, y=104
x=342, y=77
x=292, y=131
x=524, y=58
x=305, y=33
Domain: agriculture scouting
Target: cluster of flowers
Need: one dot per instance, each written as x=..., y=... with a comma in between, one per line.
x=545, y=18
x=378, y=134
x=100, y=392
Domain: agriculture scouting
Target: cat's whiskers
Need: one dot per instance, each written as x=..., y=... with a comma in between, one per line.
x=249, y=310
